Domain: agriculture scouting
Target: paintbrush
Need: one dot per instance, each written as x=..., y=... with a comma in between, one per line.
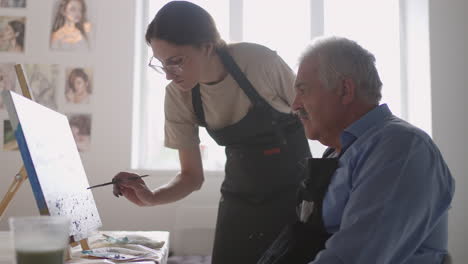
x=116, y=181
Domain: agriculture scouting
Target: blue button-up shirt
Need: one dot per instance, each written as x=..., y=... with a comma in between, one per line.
x=388, y=200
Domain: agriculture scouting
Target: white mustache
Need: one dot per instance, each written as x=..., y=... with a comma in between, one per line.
x=301, y=113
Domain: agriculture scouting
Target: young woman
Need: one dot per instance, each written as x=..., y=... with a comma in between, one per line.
x=78, y=87
x=242, y=94
x=12, y=36
x=12, y=3
x=80, y=125
x=7, y=79
x=70, y=29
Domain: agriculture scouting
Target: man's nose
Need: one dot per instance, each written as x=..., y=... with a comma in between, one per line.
x=296, y=104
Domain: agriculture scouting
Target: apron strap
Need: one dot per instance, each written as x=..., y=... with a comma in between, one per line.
x=197, y=105
x=239, y=76
x=250, y=91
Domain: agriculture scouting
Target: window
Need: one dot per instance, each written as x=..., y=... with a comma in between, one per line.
x=153, y=154
x=375, y=26
x=287, y=27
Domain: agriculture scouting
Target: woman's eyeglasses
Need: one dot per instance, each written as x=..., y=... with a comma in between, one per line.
x=172, y=66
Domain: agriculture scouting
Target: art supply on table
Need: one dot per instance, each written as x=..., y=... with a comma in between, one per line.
x=127, y=248
x=116, y=181
x=40, y=239
x=134, y=239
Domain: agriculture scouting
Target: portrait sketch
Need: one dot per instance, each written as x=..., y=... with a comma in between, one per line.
x=43, y=80
x=13, y=3
x=12, y=34
x=9, y=140
x=80, y=125
x=8, y=80
x=71, y=28
x=78, y=85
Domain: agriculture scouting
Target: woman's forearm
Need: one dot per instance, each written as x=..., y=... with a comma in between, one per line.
x=178, y=188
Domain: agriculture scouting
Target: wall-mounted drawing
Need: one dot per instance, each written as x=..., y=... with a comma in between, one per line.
x=7, y=79
x=78, y=87
x=81, y=128
x=9, y=141
x=71, y=29
x=43, y=81
x=12, y=34
x=13, y=3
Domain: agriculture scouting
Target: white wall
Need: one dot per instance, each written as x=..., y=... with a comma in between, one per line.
x=449, y=78
x=113, y=62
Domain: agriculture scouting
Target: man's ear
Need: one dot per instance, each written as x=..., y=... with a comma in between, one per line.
x=348, y=91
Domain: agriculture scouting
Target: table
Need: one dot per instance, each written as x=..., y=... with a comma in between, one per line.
x=7, y=252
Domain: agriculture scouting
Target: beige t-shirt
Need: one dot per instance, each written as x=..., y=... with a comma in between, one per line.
x=225, y=103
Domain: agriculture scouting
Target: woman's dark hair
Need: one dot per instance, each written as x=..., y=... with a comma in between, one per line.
x=183, y=23
x=75, y=73
x=18, y=28
x=60, y=19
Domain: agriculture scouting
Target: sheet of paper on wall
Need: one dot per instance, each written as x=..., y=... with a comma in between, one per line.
x=53, y=164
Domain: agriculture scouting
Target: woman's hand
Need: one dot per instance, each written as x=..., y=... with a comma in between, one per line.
x=184, y=183
x=134, y=189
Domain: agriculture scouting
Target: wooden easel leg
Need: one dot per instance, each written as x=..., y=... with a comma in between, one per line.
x=25, y=89
x=22, y=175
x=84, y=244
x=15, y=185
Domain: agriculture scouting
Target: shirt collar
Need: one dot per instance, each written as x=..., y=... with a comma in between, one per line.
x=360, y=126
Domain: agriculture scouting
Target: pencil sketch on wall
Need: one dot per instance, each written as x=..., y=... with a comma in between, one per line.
x=78, y=86
x=12, y=34
x=7, y=80
x=71, y=28
x=43, y=80
x=13, y=3
x=81, y=128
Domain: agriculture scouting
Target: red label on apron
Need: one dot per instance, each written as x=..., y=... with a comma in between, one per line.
x=272, y=151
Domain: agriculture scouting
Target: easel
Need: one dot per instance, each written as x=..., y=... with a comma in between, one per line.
x=22, y=175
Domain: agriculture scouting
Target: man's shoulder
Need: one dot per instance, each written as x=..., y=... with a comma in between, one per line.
x=397, y=127
x=394, y=133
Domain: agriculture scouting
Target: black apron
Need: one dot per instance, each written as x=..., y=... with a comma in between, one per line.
x=263, y=172
x=300, y=242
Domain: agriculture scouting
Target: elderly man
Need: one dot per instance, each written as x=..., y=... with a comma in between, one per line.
x=386, y=198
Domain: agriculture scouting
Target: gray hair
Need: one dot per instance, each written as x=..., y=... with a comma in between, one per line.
x=340, y=58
